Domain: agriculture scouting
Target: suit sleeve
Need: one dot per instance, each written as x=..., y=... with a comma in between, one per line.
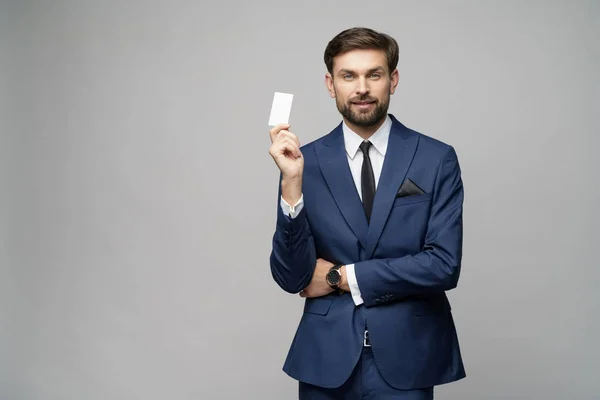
x=293, y=257
x=437, y=267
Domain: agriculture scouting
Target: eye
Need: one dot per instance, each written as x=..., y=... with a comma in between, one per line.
x=347, y=76
x=376, y=75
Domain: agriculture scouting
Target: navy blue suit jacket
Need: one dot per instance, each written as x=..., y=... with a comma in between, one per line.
x=405, y=260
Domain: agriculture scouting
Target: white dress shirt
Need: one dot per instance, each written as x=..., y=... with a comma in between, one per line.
x=352, y=142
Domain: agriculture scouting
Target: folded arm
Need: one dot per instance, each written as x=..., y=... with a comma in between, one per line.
x=293, y=257
x=437, y=267
x=317, y=285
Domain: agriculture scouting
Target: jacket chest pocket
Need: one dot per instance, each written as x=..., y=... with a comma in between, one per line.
x=404, y=201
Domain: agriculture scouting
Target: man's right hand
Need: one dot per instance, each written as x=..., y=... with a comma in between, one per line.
x=285, y=150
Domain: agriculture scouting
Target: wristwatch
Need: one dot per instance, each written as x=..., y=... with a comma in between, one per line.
x=334, y=278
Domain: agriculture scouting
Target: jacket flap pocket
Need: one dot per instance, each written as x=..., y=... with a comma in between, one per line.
x=317, y=306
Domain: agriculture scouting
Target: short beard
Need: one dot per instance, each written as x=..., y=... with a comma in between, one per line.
x=364, y=120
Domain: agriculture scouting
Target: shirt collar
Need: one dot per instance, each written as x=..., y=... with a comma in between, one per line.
x=379, y=139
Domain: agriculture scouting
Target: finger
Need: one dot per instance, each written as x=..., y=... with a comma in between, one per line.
x=295, y=149
x=289, y=134
x=276, y=129
x=286, y=144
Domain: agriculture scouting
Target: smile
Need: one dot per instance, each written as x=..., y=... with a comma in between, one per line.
x=363, y=104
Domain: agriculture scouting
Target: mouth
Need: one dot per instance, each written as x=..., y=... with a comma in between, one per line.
x=363, y=104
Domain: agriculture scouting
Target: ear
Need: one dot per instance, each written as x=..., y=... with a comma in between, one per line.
x=394, y=78
x=329, y=84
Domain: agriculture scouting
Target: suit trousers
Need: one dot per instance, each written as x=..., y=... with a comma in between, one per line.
x=365, y=383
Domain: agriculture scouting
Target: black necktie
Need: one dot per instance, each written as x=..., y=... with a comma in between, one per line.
x=367, y=180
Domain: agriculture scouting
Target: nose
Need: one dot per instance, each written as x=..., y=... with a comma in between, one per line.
x=362, y=88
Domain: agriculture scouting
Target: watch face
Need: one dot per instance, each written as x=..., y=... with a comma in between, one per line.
x=333, y=277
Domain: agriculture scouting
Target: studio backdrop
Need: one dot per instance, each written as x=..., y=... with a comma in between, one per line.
x=139, y=199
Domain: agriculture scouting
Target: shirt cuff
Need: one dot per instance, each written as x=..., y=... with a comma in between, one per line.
x=353, y=283
x=294, y=210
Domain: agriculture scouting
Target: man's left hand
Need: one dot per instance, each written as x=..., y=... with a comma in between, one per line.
x=318, y=285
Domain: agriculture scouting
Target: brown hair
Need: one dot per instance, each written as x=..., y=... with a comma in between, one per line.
x=361, y=39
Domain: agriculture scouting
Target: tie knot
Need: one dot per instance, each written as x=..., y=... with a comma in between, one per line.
x=364, y=147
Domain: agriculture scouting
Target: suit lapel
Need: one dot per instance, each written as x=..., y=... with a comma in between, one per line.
x=331, y=155
x=401, y=148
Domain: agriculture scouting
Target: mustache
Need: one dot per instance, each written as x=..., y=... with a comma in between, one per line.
x=363, y=100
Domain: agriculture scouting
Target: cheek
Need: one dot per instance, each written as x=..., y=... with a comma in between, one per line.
x=342, y=91
x=384, y=89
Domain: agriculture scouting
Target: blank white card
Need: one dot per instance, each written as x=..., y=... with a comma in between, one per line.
x=281, y=109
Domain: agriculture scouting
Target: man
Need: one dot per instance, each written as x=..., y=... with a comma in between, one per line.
x=369, y=232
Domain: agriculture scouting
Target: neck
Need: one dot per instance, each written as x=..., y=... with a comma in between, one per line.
x=365, y=132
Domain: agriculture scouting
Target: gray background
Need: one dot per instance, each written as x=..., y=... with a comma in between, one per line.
x=138, y=197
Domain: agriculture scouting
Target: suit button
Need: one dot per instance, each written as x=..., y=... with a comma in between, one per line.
x=377, y=301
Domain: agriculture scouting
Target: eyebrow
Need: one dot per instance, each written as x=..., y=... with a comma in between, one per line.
x=376, y=69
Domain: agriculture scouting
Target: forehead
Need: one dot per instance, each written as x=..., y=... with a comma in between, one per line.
x=360, y=60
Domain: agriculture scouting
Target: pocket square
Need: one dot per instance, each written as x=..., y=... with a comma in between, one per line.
x=409, y=188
